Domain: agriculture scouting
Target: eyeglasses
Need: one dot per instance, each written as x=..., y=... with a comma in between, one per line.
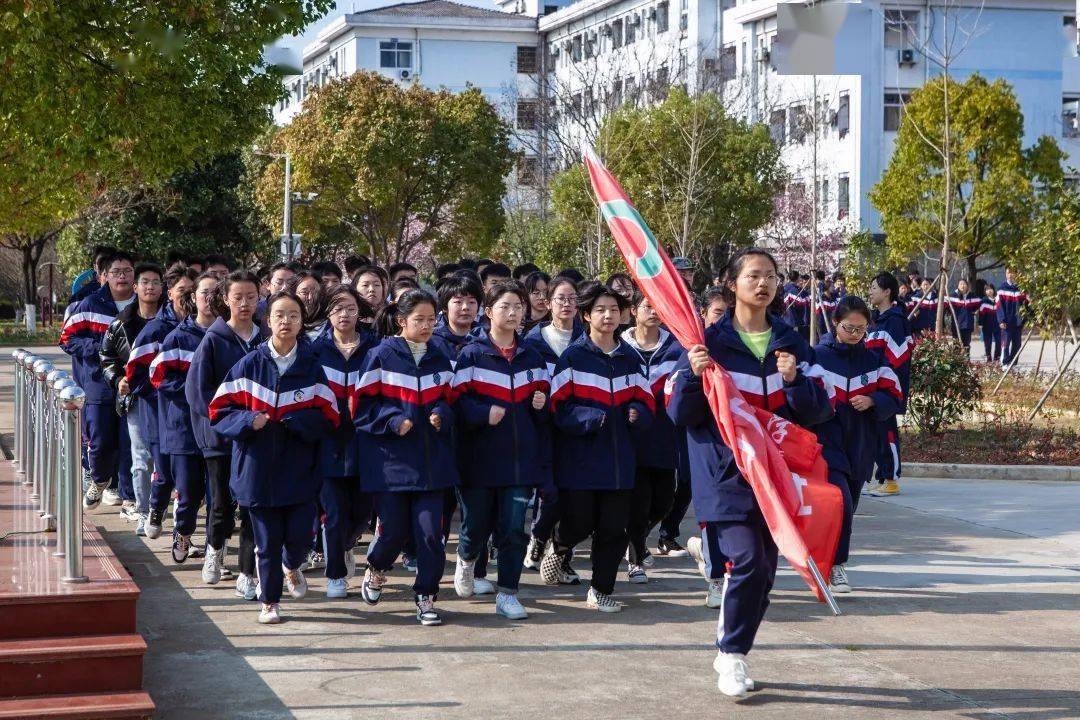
x=564, y=300
x=282, y=319
x=150, y=283
x=853, y=329
x=507, y=307
x=345, y=310
x=537, y=293
x=754, y=279
x=121, y=272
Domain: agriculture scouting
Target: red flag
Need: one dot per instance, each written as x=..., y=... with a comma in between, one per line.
x=781, y=461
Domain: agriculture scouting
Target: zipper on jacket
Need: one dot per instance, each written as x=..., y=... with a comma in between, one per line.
x=277, y=397
x=513, y=424
x=614, y=434
x=427, y=440
x=765, y=381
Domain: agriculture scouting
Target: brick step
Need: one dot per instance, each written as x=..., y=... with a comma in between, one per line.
x=81, y=664
x=88, y=706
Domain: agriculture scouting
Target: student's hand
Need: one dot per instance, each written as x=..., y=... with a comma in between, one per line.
x=495, y=415
x=862, y=402
x=539, y=400
x=406, y=426
x=436, y=421
x=123, y=387
x=699, y=359
x=260, y=421
x=786, y=365
x=633, y=415
x=1002, y=326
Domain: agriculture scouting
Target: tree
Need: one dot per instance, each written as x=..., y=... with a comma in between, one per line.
x=790, y=232
x=1047, y=259
x=544, y=241
x=703, y=179
x=105, y=92
x=198, y=211
x=394, y=168
x=996, y=184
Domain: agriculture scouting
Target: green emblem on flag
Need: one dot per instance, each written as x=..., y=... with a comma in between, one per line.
x=648, y=263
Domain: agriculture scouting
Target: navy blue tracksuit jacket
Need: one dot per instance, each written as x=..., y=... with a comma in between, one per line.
x=656, y=447
x=81, y=339
x=392, y=388
x=279, y=465
x=592, y=393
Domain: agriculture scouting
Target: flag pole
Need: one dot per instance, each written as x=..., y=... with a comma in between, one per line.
x=823, y=586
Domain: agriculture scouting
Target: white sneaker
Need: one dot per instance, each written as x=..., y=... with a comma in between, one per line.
x=648, y=561
x=838, y=580
x=128, y=511
x=636, y=575
x=694, y=549
x=482, y=586
x=211, y=567
x=92, y=496
x=140, y=526
x=731, y=671
x=337, y=588
x=269, y=614
x=315, y=561
x=111, y=497
x=509, y=607
x=295, y=582
x=350, y=563
x=603, y=603
x=464, y=582
x=247, y=587
x=714, y=598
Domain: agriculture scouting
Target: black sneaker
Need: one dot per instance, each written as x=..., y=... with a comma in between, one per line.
x=670, y=547
x=425, y=610
x=181, y=548
x=153, y=525
x=570, y=576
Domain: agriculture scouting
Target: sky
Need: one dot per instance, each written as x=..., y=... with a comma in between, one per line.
x=347, y=6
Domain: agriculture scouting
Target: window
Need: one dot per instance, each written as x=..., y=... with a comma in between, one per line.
x=395, y=55
x=728, y=63
x=528, y=171
x=894, y=109
x=900, y=26
x=684, y=23
x=797, y=123
x=526, y=59
x=797, y=189
x=823, y=196
x=526, y=114
x=1070, y=116
x=548, y=9
x=1069, y=25
x=575, y=51
x=630, y=87
x=616, y=34
x=843, y=115
x=842, y=200
x=662, y=18
x=575, y=105
x=615, y=97
x=658, y=88
x=777, y=126
x=632, y=23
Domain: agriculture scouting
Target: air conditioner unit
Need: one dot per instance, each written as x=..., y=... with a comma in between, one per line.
x=568, y=45
x=554, y=51
x=404, y=74
x=652, y=13
x=905, y=57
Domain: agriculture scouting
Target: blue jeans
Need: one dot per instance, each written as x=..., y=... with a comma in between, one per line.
x=142, y=462
x=501, y=510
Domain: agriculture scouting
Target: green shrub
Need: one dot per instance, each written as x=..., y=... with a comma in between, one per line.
x=944, y=383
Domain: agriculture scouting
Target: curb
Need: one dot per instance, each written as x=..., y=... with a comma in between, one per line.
x=956, y=471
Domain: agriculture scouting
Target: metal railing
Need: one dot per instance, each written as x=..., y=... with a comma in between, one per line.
x=48, y=452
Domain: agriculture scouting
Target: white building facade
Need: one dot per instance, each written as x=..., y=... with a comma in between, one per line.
x=442, y=45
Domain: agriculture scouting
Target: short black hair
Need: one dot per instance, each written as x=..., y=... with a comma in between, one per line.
x=495, y=270
x=119, y=256
x=145, y=267
x=355, y=262
x=848, y=305
x=590, y=293
x=502, y=288
x=446, y=269
x=457, y=286
x=572, y=273
x=216, y=259
x=887, y=281
x=524, y=270
x=326, y=267
x=468, y=263
x=296, y=266
x=398, y=267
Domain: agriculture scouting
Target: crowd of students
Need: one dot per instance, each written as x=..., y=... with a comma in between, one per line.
x=316, y=405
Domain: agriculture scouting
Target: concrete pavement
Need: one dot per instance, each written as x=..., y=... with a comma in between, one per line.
x=966, y=602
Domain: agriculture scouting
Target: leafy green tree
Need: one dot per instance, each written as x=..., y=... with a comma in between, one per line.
x=546, y=242
x=198, y=211
x=396, y=169
x=703, y=179
x=100, y=93
x=864, y=257
x=1047, y=260
x=996, y=188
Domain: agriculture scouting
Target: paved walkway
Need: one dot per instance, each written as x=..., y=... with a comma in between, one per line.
x=967, y=600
